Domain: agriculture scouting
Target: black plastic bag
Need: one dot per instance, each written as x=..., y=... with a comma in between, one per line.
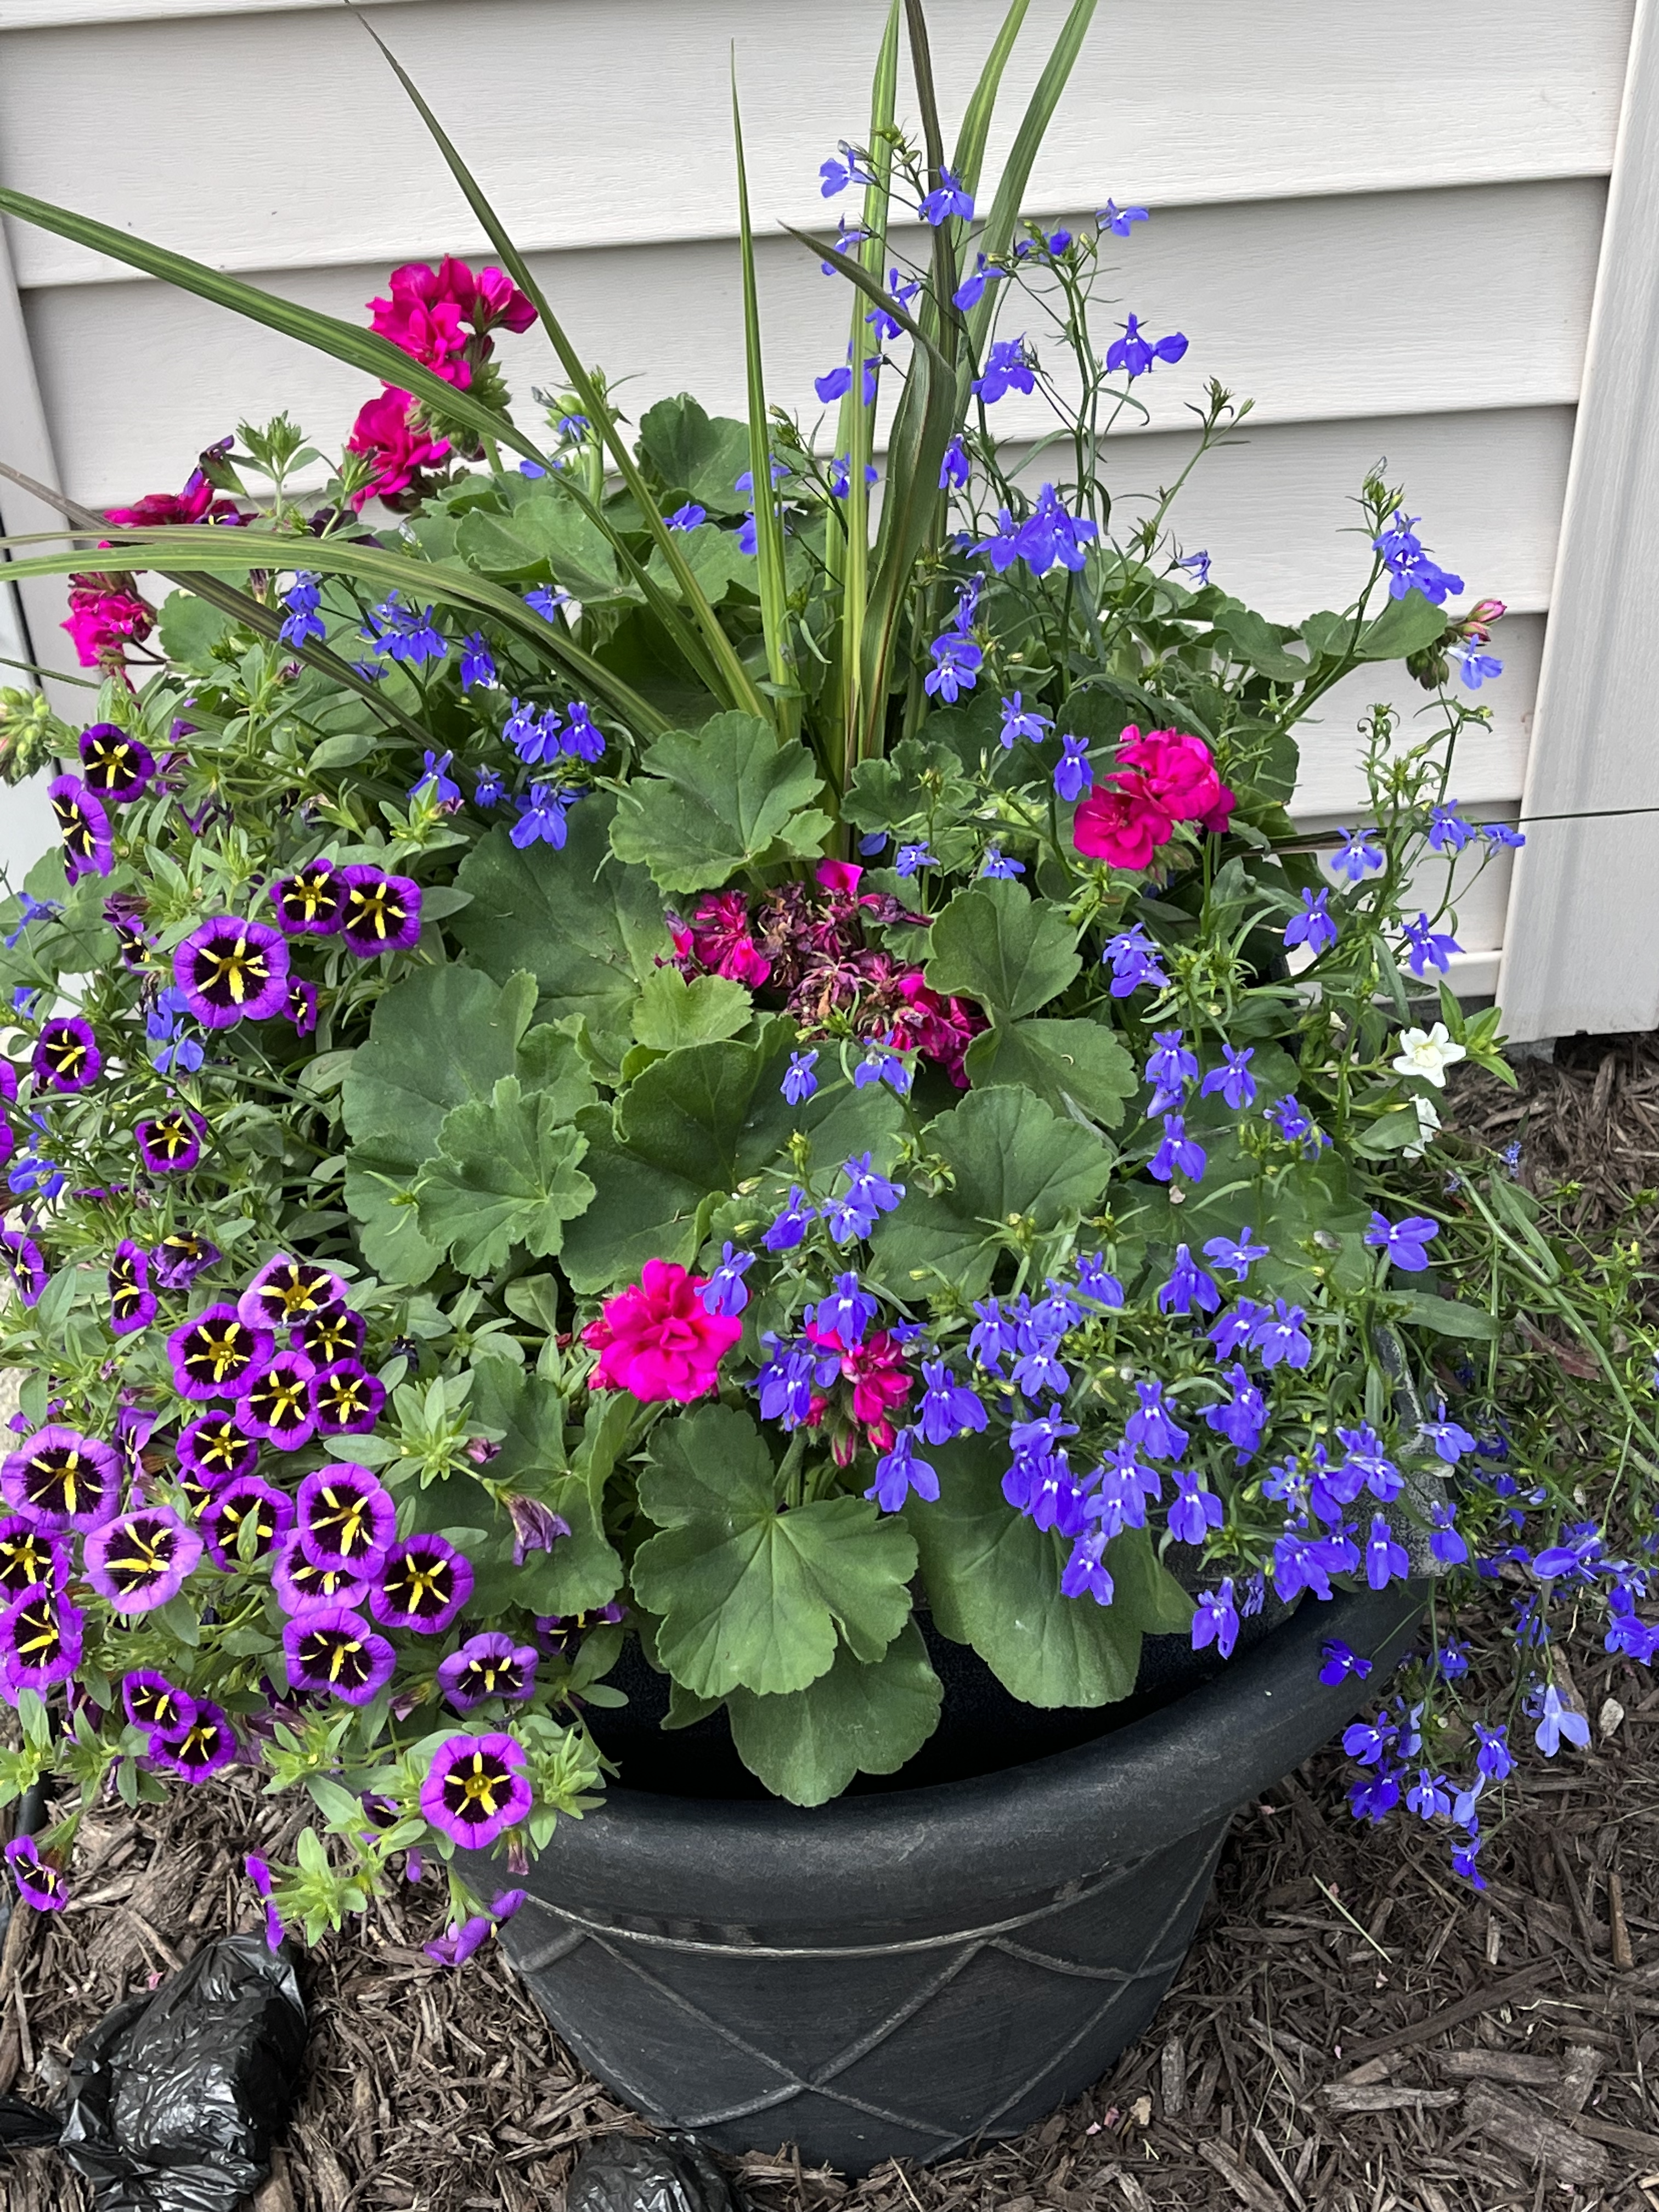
x=621, y=2174
x=174, y=2098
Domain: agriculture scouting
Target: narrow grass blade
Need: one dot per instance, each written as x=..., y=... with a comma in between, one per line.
x=970, y=156
x=769, y=527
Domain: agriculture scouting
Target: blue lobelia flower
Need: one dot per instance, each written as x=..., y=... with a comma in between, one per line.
x=542, y=816
x=1119, y=219
x=1072, y=774
x=546, y=601
x=1428, y=948
x=784, y=1384
x=898, y=1472
x=33, y=909
x=846, y=1311
x=841, y=475
x=1358, y=854
x=958, y=659
x=1281, y=1335
x=854, y=1212
x=1050, y=536
x=690, y=516
x=1040, y=1368
x=950, y=197
x=886, y=326
x=1177, y=1153
x=477, y=662
x=1339, y=1663
x=1199, y=563
x=1501, y=833
x=1290, y=1119
x=1314, y=926
x=1149, y=1428
x=1446, y=1545
x=440, y=787
x=1196, y=1510
x=799, y=1082
x=882, y=1064
x=1449, y=830
x=1188, y=1285
x=1007, y=368
x=534, y=737
x=948, y=1408
x=971, y=290
x=1215, y=1620
x=1408, y=566
x=1232, y=1079
x=1095, y=1281
x=1243, y=1418
x=1476, y=667
x=789, y=1225
x=301, y=600
x=1235, y=1329
x=486, y=790
x=1133, y=958
x=1019, y=720
x=1385, y=1557
x=725, y=1292
x=1556, y=1720
x=910, y=857
x=954, y=468
x=176, y=1052
x=1428, y=1796
x=1135, y=355
x=992, y=1335
x=1171, y=1065
x=997, y=862
x=1085, y=1573
x=1403, y=1241
x=1236, y=1255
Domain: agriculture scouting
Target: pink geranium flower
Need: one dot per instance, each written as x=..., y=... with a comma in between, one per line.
x=385, y=431
x=1166, y=777
x=655, y=1339
x=879, y=1377
x=104, y=620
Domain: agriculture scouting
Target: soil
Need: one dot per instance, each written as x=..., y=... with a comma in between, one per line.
x=1354, y=2031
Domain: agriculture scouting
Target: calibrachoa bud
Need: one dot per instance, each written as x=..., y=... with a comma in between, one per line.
x=657, y=1339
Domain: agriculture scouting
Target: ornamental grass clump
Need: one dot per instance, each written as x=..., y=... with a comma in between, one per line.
x=612, y=1053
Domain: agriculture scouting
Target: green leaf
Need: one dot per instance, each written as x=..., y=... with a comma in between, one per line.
x=545, y=535
x=189, y=629
x=715, y=800
x=1446, y=1317
x=918, y=780
x=1254, y=640
x=699, y=454
x=857, y=1719
x=76, y=942
x=1075, y=1066
x=672, y=1012
x=590, y=930
x=1405, y=625
x=749, y=1596
x=995, y=943
x=993, y=1578
x=443, y=1036
x=1013, y=1165
x=715, y=559
x=506, y=1174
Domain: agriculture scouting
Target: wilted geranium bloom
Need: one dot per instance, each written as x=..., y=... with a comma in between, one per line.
x=424, y=1585
x=302, y=1588
x=475, y=1789
x=199, y=1751
x=276, y=1401
x=286, y=1291
x=179, y=1259
x=335, y=1649
x=40, y=1640
x=114, y=765
x=151, y=1701
x=216, y=1449
x=379, y=913
x=170, y=1144
x=488, y=1666
x=39, y=1881
x=131, y=1301
x=346, y=1518
x=308, y=902
x=215, y=1355
x=141, y=1560
x=28, y=1554
x=346, y=1399
x=89, y=842
x=66, y=1055
x=61, y=1479
x=248, y=1498
x=231, y=970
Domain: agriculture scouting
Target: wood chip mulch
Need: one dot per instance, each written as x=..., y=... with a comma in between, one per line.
x=1354, y=2031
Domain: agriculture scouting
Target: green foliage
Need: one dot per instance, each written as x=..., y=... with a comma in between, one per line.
x=697, y=455
x=997, y=945
x=860, y=1718
x=506, y=1174
x=1078, y=1068
x=715, y=800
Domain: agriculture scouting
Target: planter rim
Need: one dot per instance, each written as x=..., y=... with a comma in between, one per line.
x=1046, y=1824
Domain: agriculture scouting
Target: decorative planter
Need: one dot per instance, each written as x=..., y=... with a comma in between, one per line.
x=901, y=1974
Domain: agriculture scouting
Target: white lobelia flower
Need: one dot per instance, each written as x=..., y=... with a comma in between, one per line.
x=1428, y=1053
x=1428, y=1122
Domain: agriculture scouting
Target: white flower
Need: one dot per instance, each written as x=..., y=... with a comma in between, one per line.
x=1428, y=1121
x=1428, y=1053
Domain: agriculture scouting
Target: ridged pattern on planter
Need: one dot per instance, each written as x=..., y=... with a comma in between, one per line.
x=913, y=2048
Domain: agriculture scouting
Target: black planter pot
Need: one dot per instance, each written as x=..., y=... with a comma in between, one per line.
x=901, y=1972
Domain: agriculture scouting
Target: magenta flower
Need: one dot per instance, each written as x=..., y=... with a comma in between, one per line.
x=201, y=1750
x=154, y=1704
x=475, y=1789
x=40, y=1881
x=216, y=1355
x=379, y=913
x=488, y=1666
x=301, y=1587
x=247, y=1497
x=286, y=1291
x=88, y=841
x=346, y=1399
x=328, y=1337
x=170, y=1144
x=66, y=1055
x=346, y=1518
x=179, y=1259
x=141, y=1560
x=334, y=1649
x=114, y=765
x=385, y=431
x=216, y=1449
x=308, y=902
x=232, y=970
x=275, y=1404
x=40, y=1635
x=424, y=1585
x=28, y=1555
x=21, y=1256
x=131, y=1301
x=59, y=1479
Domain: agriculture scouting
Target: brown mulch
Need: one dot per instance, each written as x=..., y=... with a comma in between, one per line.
x=1354, y=2031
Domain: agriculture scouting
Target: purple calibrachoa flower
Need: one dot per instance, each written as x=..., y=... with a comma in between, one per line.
x=21, y=1257
x=88, y=841
x=66, y=1055
x=179, y=1257
x=328, y=1337
x=141, y=1560
x=246, y=1500
x=1215, y=1620
x=132, y=1304
x=334, y=1649
x=378, y=913
x=200, y=1751
x=155, y=1705
x=40, y=1638
x=424, y=1584
x=170, y=1144
x=28, y=1554
x=275, y=1403
x=308, y=902
x=1403, y=1241
x=60, y=1479
x=475, y=1789
x=301, y=1007
x=216, y=1449
x=346, y=1399
x=231, y=969
x=39, y=1881
x=488, y=1666
x=258, y=1875
x=215, y=1355
x=302, y=1588
x=346, y=1518
x=114, y=765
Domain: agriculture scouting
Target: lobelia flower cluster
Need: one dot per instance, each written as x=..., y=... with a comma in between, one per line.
x=606, y=1056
